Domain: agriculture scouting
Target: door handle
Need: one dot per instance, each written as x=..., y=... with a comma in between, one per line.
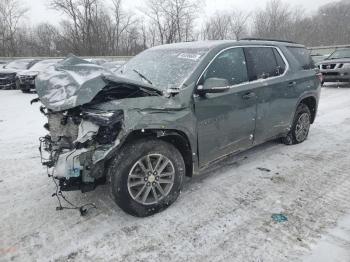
x=248, y=95
x=292, y=84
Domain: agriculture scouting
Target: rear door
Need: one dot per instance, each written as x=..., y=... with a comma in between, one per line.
x=275, y=92
x=225, y=121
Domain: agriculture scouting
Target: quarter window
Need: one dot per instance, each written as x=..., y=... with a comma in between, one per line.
x=229, y=65
x=262, y=63
x=281, y=65
x=303, y=56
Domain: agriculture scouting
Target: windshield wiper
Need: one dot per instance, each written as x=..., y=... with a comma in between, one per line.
x=142, y=76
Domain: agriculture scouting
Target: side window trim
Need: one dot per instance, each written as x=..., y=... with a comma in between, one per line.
x=249, y=82
x=278, y=65
x=273, y=50
x=203, y=75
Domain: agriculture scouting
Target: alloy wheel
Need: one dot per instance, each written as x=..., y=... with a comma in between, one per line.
x=151, y=179
x=302, y=127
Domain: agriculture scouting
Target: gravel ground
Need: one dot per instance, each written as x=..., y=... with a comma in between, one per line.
x=222, y=215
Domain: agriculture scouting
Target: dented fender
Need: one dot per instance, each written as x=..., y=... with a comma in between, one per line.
x=147, y=114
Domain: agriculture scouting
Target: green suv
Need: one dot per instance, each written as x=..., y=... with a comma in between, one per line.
x=170, y=112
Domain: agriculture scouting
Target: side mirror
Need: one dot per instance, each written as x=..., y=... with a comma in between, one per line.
x=213, y=85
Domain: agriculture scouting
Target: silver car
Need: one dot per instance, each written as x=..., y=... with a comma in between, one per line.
x=336, y=68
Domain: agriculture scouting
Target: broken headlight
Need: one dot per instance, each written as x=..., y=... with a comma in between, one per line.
x=109, y=123
x=103, y=118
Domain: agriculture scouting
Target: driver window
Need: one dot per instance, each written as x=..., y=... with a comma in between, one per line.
x=229, y=65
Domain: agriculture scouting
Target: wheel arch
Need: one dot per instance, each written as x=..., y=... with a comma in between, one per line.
x=175, y=137
x=311, y=103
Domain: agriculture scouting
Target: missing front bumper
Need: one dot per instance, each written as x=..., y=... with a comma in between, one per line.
x=76, y=183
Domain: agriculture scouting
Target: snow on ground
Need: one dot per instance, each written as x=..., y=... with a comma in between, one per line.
x=223, y=215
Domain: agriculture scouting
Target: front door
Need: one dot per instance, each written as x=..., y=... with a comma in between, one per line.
x=226, y=121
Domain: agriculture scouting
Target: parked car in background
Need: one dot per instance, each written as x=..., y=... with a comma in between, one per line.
x=3, y=63
x=336, y=68
x=96, y=61
x=319, y=58
x=114, y=66
x=8, y=74
x=172, y=111
x=26, y=78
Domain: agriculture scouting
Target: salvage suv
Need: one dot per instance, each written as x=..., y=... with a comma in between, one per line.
x=170, y=112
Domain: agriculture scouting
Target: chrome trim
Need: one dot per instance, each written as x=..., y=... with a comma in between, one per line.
x=249, y=82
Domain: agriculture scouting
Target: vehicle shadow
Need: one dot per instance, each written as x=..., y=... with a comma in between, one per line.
x=231, y=161
x=102, y=198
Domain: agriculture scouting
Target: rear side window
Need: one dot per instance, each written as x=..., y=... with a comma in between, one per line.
x=302, y=55
x=262, y=63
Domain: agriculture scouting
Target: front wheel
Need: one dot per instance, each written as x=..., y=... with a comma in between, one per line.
x=301, y=126
x=146, y=176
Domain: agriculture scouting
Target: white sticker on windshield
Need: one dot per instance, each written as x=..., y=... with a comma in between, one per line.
x=194, y=57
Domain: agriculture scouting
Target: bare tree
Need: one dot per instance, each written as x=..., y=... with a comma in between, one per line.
x=238, y=23
x=123, y=22
x=84, y=19
x=11, y=13
x=274, y=21
x=92, y=27
x=172, y=19
x=226, y=25
x=46, y=37
x=333, y=24
x=217, y=27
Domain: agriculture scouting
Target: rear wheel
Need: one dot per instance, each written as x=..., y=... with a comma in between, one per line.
x=146, y=176
x=301, y=126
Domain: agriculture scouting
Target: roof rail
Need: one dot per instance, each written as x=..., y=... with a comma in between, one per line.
x=267, y=39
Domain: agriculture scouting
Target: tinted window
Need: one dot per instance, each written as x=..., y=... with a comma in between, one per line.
x=261, y=62
x=281, y=65
x=303, y=56
x=229, y=65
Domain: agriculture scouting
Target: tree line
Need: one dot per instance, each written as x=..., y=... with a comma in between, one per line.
x=94, y=28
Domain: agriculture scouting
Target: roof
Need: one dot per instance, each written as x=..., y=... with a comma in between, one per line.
x=210, y=44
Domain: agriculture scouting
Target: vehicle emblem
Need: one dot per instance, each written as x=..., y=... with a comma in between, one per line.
x=329, y=67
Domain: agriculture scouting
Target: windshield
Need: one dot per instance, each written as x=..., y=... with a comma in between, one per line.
x=164, y=68
x=42, y=65
x=19, y=64
x=342, y=53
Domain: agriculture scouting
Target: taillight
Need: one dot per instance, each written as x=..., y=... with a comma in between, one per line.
x=320, y=77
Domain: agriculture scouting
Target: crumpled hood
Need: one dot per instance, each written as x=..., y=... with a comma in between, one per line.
x=75, y=82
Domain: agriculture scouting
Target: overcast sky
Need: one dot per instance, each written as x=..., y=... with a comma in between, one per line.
x=39, y=11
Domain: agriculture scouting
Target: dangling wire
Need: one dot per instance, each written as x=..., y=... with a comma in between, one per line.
x=59, y=195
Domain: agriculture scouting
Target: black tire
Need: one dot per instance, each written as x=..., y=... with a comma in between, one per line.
x=292, y=138
x=125, y=161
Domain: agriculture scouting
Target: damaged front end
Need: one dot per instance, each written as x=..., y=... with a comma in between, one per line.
x=90, y=112
x=76, y=145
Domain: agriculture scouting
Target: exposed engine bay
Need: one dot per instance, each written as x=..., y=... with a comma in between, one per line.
x=81, y=137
